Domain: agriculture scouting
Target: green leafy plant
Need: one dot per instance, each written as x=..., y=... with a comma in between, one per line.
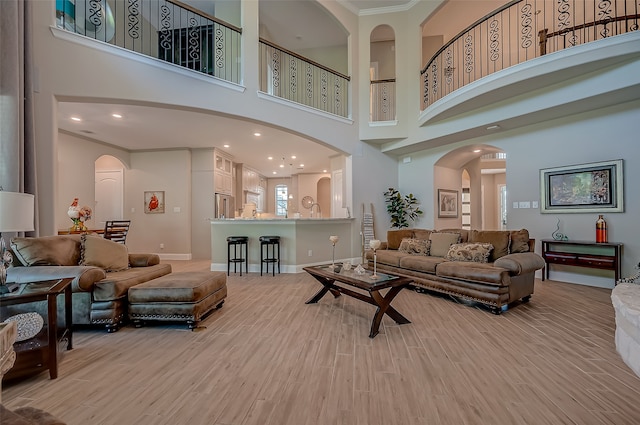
x=402, y=209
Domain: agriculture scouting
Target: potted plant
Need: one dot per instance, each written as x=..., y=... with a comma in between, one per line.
x=402, y=209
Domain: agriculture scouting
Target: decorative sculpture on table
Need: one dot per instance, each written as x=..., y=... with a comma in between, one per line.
x=374, y=244
x=79, y=216
x=334, y=240
x=556, y=235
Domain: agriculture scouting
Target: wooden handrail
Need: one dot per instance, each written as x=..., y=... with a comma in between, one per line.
x=388, y=80
x=294, y=54
x=204, y=15
x=544, y=35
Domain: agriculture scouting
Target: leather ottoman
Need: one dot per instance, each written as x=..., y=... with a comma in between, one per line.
x=177, y=296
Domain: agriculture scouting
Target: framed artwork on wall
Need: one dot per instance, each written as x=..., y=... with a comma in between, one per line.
x=154, y=202
x=447, y=203
x=583, y=188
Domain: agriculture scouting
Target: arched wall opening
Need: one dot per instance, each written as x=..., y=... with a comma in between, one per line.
x=477, y=174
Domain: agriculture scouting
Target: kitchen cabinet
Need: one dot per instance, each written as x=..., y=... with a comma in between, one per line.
x=223, y=173
x=251, y=186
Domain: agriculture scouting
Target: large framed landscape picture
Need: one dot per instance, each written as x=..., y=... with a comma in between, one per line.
x=584, y=188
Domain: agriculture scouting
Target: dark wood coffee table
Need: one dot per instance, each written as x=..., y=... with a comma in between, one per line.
x=331, y=281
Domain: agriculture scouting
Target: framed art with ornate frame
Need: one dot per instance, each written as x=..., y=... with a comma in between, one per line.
x=583, y=188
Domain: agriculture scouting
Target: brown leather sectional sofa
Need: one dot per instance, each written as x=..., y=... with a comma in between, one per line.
x=103, y=272
x=495, y=268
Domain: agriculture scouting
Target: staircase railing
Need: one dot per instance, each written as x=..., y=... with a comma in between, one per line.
x=288, y=75
x=506, y=37
x=164, y=29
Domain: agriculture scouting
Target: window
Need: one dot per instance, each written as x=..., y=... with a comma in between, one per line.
x=281, y=200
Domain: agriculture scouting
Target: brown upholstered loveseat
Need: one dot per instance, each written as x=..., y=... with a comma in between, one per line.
x=103, y=272
x=495, y=268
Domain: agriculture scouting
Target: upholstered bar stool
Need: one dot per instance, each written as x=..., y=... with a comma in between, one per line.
x=270, y=253
x=238, y=243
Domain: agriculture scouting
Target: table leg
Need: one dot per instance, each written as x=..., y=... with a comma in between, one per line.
x=68, y=320
x=384, y=307
x=327, y=285
x=52, y=330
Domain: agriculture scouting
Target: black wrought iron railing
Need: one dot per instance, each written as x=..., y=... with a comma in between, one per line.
x=286, y=74
x=507, y=37
x=164, y=29
x=382, y=100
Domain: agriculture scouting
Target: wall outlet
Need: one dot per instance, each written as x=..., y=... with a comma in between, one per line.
x=515, y=204
x=534, y=204
x=161, y=246
x=310, y=253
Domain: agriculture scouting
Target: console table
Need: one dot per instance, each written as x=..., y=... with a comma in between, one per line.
x=606, y=256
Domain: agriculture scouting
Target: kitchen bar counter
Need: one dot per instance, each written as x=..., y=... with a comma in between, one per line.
x=303, y=241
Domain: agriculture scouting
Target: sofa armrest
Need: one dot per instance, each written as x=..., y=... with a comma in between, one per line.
x=520, y=263
x=143, y=260
x=84, y=277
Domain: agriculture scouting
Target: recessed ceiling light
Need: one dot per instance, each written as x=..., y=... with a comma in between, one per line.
x=281, y=165
x=225, y=146
x=270, y=158
x=301, y=165
x=257, y=134
x=477, y=150
x=275, y=172
x=293, y=157
x=324, y=171
x=76, y=119
x=116, y=115
x=493, y=127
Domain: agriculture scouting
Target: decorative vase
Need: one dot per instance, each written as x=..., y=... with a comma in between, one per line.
x=601, y=230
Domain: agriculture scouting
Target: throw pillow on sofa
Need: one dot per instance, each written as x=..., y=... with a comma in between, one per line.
x=394, y=237
x=415, y=246
x=519, y=241
x=440, y=243
x=498, y=238
x=47, y=250
x=470, y=252
x=99, y=252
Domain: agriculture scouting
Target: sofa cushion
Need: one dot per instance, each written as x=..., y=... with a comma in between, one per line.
x=519, y=241
x=477, y=252
x=394, y=237
x=415, y=246
x=440, y=243
x=108, y=255
x=390, y=257
x=475, y=272
x=47, y=250
x=420, y=263
x=421, y=234
x=498, y=238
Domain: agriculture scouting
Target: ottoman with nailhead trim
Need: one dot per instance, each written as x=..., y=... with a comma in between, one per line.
x=177, y=297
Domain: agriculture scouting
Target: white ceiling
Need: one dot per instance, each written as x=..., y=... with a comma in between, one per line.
x=149, y=128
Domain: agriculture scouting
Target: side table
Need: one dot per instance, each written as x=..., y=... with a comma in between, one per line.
x=41, y=352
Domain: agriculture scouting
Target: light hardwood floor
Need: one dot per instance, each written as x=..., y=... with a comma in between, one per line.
x=267, y=358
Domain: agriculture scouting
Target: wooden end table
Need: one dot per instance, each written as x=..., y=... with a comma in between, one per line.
x=41, y=352
x=331, y=281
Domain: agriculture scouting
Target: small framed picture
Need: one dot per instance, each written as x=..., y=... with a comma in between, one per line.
x=447, y=203
x=154, y=202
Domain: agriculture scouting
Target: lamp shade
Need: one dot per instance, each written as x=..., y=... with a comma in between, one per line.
x=16, y=211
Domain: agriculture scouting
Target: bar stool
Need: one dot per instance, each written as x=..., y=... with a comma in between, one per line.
x=274, y=257
x=238, y=243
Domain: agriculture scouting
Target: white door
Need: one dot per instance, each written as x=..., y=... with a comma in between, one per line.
x=109, y=197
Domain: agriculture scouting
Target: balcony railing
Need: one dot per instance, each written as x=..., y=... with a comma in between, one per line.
x=293, y=77
x=164, y=29
x=383, y=100
x=507, y=37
